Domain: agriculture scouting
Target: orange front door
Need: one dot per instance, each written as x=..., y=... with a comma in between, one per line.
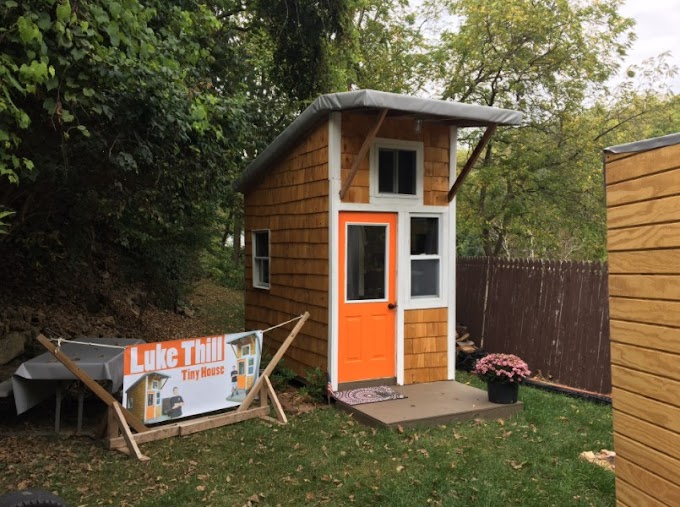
x=368, y=255
x=150, y=405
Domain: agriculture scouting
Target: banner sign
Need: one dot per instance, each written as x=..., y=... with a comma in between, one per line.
x=181, y=378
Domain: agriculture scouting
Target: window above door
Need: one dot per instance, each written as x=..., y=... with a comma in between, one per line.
x=396, y=171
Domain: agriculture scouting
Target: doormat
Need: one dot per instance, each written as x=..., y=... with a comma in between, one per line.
x=365, y=395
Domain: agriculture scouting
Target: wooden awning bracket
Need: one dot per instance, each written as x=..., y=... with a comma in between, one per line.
x=362, y=153
x=471, y=161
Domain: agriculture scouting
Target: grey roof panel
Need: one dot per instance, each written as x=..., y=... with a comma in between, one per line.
x=462, y=115
x=646, y=145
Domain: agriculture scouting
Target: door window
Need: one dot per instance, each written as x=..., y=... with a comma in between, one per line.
x=366, y=262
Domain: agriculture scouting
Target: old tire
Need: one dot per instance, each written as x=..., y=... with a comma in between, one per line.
x=31, y=498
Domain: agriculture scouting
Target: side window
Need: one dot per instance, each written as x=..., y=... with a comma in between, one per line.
x=425, y=257
x=261, y=259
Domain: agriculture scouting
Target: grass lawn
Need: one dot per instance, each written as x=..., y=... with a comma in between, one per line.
x=326, y=458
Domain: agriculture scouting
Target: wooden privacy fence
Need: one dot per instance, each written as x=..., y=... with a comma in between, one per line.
x=555, y=315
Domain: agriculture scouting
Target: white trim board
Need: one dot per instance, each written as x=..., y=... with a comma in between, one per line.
x=334, y=184
x=451, y=276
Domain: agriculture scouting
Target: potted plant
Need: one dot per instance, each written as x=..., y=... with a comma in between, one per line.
x=503, y=374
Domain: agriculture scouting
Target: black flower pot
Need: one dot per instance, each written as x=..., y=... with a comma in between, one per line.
x=503, y=393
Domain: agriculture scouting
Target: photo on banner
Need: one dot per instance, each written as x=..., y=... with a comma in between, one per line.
x=164, y=381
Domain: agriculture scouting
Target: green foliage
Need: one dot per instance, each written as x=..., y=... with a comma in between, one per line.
x=316, y=382
x=4, y=225
x=124, y=123
x=282, y=376
x=219, y=264
x=302, y=33
x=538, y=191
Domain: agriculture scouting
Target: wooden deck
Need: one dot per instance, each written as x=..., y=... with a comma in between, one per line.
x=429, y=404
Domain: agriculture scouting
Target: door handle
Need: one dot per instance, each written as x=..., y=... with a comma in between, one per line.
x=392, y=306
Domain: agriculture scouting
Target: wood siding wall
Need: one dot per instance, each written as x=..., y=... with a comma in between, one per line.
x=425, y=345
x=292, y=201
x=435, y=139
x=643, y=222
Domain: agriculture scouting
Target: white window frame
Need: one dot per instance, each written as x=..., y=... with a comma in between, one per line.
x=257, y=283
x=387, y=262
x=419, y=302
x=396, y=144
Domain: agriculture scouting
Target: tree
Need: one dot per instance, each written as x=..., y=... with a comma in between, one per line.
x=125, y=122
x=545, y=58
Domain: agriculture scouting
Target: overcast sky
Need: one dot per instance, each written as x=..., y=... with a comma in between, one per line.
x=657, y=28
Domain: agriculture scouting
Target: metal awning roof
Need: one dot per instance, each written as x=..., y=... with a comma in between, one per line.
x=646, y=145
x=451, y=113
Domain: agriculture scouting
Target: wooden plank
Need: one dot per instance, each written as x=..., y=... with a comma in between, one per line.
x=645, y=262
x=646, y=212
x=645, y=311
x=425, y=360
x=642, y=189
x=645, y=286
x=645, y=237
x=648, y=469
x=425, y=329
x=630, y=496
x=648, y=360
x=217, y=421
x=660, y=414
x=488, y=133
x=272, y=364
x=92, y=384
x=651, y=336
x=362, y=153
x=132, y=446
x=656, y=388
x=660, y=439
x=187, y=427
x=659, y=488
x=158, y=433
x=280, y=414
x=112, y=428
x=640, y=164
x=427, y=315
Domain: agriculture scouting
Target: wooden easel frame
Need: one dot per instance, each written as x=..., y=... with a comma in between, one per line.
x=120, y=421
x=121, y=439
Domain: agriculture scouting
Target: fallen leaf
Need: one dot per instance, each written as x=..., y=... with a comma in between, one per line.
x=400, y=468
x=200, y=487
x=515, y=465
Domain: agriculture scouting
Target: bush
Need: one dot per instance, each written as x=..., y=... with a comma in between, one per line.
x=316, y=382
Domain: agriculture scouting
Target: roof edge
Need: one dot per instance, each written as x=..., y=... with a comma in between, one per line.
x=371, y=99
x=645, y=145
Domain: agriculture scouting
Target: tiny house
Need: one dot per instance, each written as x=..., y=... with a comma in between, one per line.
x=643, y=244
x=350, y=215
x=144, y=396
x=245, y=350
